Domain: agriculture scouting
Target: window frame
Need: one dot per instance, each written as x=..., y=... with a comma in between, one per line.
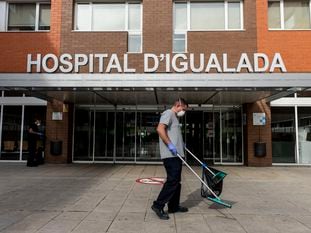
x=126, y=18
x=188, y=26
x=282, y=18
x=37, y=19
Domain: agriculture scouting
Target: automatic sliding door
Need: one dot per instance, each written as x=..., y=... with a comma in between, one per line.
x=211, y=136
x=231, y=135
x=104, y=136
x=83, y=135
x=147, y=136
x=125, y=136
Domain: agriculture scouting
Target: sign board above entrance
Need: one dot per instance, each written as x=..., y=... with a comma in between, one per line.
x=179, y=63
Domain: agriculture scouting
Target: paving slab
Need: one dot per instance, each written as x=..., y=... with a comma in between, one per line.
x=106, y=198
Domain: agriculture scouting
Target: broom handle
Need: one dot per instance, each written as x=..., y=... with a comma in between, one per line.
x=203, y=165
x=198, y=177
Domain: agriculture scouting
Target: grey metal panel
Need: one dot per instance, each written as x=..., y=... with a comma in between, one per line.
x=156, y=80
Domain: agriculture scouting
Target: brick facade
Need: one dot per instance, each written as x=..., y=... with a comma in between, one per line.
x=157, y=38
x=254, y=133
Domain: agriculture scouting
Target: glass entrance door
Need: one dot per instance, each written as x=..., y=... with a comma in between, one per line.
x=213, y=135
x=104, y=136
x=147, y=142
x=231, y=136
x=125, y=136
x=193, y=134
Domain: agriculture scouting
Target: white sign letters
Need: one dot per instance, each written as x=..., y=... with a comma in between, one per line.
x=179, y=63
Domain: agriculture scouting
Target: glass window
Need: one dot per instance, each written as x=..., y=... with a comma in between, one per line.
x=112, y=17
x=108, y=17
x=134, y=16
x=179, y=43
x=180, y=16
x=297, y=14
x=44, y=19
x=274, y=15
x=209, y=15
x=283, y=134
x=304, y=134
x=11, y=133
x=289, y=14
x=22, y=16
x=134, y=43
x=234, y=15
x=83, y=17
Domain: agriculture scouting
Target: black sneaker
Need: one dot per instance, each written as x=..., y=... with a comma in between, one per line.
x=179, y=209
x=160, y=212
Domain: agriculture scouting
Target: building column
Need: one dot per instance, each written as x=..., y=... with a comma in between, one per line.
x=59, y=130
x=255, y=133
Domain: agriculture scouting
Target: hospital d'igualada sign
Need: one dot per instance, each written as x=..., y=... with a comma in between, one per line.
x=180, y=63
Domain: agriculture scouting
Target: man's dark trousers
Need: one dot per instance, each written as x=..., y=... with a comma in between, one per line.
x=170, y=192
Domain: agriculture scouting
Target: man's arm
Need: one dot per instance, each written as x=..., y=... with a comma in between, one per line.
x=161, y=129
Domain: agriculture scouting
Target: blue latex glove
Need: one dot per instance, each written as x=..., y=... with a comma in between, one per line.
x=172, y=148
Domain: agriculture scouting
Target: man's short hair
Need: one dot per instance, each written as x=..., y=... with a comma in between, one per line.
x=181, y=101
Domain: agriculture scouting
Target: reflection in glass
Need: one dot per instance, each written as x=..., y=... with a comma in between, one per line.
x=297, y=14
x=83, y=135
x=104, y=136
x=231, y=135
x=108, y=17
x=134, y=14
x=83, y=17
x=147, y=136
x=134, y=43
x=11, y=133
x=207, y=15
x=125, y=136
x=234, y=15
x=22, y=16
x=180, y=16
x=283, y=134
x=304, y=135
x=274, y=15
x=44, y=17
x=179, y=43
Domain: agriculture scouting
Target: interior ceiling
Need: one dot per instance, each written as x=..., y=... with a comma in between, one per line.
x=156, y=96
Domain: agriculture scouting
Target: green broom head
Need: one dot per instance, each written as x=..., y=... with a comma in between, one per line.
x=219, y=201
x=219, y=176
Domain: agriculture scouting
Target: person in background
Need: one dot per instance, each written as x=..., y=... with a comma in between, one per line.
x=33, y=136
x=171, y=143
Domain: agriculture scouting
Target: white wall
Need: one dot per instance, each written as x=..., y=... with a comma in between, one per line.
x=2, y=15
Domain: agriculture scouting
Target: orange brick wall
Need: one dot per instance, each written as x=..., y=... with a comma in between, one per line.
x=294, y=45
x=14, y=46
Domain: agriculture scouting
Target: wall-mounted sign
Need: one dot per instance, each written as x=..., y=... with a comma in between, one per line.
x=57, y=116
x=180, y=63
x=259, y=118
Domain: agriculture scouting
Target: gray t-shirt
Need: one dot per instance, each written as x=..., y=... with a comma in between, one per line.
x=169, y=118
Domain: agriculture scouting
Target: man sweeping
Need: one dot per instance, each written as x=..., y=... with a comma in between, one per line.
x=171, y=143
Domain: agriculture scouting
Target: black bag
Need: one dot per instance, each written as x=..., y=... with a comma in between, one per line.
x=207, y=178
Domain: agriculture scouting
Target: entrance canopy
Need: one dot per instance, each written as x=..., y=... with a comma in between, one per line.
x=157, y=88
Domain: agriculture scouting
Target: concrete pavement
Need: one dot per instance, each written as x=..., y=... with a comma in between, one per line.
x=105, y=198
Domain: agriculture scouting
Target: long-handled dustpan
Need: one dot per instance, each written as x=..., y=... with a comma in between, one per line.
x=217, y=177
x=215, y=199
